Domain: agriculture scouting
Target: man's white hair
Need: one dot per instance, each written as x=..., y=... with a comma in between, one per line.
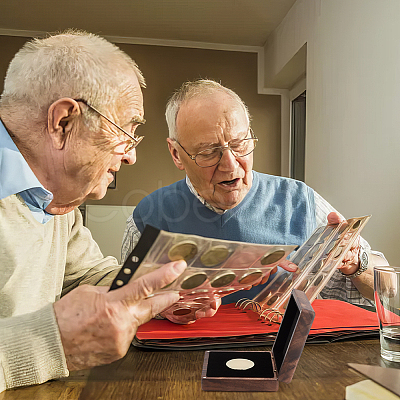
x=73, y=64
x=189, y=90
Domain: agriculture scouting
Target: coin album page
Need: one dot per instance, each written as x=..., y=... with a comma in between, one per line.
x=215, y=267
x=317, y=259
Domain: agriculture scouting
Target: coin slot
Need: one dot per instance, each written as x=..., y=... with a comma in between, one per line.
x=182, y=311
x=303, y=285
x=338, y=252
x=273, y=257
x=185, y=250
x=356, y=224
x=214, y=256
x=194, y=280
x=273, y=299
x=318, y=280
x=223, y=279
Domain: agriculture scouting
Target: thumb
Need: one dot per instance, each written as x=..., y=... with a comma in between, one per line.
x=334, y=218
x=144, y=286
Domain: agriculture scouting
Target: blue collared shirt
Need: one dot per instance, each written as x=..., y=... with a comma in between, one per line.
x=17, y=177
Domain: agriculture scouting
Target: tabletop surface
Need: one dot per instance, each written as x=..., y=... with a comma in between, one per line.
x=322, y=373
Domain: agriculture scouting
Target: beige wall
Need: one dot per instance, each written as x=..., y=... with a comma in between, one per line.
x=353, y=119
x=165, y=69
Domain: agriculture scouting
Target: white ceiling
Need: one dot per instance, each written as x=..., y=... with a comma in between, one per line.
x=233, y=22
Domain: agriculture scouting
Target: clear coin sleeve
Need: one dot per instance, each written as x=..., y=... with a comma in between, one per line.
x=317, y=260
x=215, y=267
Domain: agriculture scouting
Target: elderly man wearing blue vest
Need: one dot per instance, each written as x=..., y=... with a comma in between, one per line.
x=210, y=138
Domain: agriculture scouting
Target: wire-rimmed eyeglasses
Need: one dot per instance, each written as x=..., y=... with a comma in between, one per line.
x=212, y=156
x=135, y=140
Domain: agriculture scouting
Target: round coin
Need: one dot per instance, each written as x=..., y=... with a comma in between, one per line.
x=272, y=257
x=250, y=277
x=193, y=281
x=182, y=251
x=214, y=256
x=223, y=279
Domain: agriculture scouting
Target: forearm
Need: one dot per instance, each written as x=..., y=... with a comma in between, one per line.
x=365, y=282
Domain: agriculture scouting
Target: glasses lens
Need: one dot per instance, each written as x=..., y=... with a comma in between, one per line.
x=209, y=157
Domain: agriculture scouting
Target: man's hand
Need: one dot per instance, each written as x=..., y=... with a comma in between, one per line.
x=350, y=263
x=97, y=326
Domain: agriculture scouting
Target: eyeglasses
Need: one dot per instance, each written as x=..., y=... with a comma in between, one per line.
x=135, y=140
x=212, y=156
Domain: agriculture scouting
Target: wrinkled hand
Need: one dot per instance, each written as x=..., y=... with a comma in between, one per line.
x=187, y=312
x=350, y=262
x=97, y=326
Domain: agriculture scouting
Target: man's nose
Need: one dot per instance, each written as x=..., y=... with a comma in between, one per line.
x=129, y=157
x=228, y=161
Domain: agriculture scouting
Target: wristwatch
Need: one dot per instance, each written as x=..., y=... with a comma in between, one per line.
x=363, y=257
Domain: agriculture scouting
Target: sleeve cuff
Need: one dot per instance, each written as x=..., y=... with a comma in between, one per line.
x=31, y=351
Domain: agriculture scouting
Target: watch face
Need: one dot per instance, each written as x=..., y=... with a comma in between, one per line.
x=363, y=259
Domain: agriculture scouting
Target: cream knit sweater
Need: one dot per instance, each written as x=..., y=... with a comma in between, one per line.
x=38, y=264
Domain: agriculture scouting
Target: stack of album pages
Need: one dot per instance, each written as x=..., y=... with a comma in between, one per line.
x=234, y=326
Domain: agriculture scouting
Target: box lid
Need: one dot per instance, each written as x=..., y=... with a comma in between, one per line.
x=292, y=335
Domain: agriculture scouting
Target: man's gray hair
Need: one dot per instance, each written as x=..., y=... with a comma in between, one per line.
x=72, y=64
x=189, y=90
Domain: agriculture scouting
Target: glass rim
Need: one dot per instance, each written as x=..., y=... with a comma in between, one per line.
x=387, y=268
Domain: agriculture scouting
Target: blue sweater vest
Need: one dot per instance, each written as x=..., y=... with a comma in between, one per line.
x=276, y=210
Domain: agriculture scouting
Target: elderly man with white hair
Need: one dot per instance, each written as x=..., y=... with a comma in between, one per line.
x=210, y=138
x=69, y=112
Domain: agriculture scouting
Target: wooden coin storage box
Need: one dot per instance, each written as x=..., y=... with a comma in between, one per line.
x=261, y=371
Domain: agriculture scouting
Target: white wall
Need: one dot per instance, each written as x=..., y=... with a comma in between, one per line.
x=107, y=225
x=353, y=106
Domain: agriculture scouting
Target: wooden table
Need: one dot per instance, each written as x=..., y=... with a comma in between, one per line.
x=322, y=373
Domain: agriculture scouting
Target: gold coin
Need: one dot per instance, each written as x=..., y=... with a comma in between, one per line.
x=223, y=279
x=214, y=256
x=250, y=277
x=182, y=251
x=272, y=257
x=194, y=280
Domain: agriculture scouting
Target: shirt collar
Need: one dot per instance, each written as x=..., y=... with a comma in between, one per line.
x=201, y=199
x=17, y=177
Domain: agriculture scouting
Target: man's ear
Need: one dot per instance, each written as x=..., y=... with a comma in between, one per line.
x=174, y=153
x=60, y=119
